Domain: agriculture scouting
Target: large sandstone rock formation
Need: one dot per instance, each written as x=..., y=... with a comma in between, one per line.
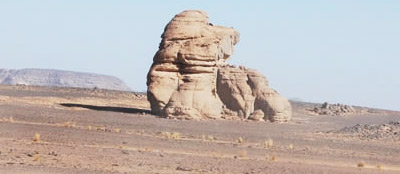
x=47, y=77
x=189, y=78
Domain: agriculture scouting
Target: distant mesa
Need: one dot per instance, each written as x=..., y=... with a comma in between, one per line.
x=58, y=78
x=190, y=78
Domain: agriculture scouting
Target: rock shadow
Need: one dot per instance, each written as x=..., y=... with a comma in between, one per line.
x=108, y=108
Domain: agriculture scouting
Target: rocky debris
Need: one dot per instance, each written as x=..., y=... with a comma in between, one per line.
x=189, y=78
x=389, y=131
x=57, y=78
x=334, y=109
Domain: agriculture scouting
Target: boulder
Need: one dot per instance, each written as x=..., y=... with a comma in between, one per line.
x=257, y=115
x=190, y=79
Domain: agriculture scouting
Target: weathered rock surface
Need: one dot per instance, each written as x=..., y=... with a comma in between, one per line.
x=244, y=90
x=46, y=77
x=189, y=78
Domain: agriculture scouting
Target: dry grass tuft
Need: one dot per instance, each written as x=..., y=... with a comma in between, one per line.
x=217, y=154
x=274, y=158
x=240, y=140
x=175, y=135
x=243, y=154
x=167, y=135
x=89, y=127
x=147, y=149
x=69, y=124
x=142, y=132
x=117, y=130
x=36, y=137
x=379, y=166
x=36, y=158
x=291, y=147
x=269, y=143
x=211, y=138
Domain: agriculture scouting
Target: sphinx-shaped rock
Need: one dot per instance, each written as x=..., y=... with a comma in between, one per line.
x=189, y=78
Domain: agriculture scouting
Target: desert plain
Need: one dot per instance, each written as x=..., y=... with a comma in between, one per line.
x=71, y=130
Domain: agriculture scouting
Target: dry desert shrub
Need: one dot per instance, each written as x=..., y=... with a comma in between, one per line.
x=36, y=137
x=10, y=119
x=269, y=143
x=361, y=164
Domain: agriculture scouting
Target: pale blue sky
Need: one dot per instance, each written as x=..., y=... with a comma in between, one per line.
x=336, y=51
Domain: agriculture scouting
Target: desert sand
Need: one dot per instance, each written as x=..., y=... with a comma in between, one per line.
x=71, y=130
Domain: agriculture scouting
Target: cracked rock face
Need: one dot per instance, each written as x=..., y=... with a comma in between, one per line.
x=189, y=78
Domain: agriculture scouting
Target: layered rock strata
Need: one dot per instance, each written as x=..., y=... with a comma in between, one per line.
x=189, y=78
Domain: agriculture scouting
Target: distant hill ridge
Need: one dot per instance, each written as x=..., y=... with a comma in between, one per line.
x=58, y=78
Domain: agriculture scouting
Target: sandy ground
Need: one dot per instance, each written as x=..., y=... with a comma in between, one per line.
x=86, y=131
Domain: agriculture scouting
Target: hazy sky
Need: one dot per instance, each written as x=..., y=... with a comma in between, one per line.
x=336, y=51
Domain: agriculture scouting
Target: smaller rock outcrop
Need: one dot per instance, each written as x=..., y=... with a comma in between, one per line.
x=334, y=109
x=386, y=131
